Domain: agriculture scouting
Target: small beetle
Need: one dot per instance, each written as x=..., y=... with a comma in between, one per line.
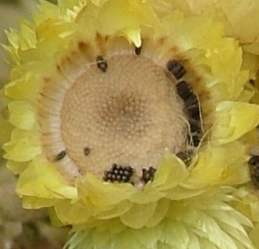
x=138, y=50
x=185, y=156
x=148, y=174
x=184, y=90
x=176, y=68
x=101, y=63
x=87, y=151
x=61, y=155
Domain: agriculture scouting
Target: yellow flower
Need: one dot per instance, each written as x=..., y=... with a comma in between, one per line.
x=132, y=120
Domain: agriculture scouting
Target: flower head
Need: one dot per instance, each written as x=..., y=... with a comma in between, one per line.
x=133, y=123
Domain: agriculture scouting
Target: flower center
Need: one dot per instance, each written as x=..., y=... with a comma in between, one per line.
x=127, y=115
x=118, y=117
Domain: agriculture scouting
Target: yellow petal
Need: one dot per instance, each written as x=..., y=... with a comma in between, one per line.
x=24, y=88
x=24, y=146
x=254, y=235
x=31, y=202
x=22, y=115
x=170, y=173
x=220, y=165
x=149, y=194
x=103, y=194
x=16, y=167
x=233, y=120
x=68, y=212
x=246, y=29
x=5, y=130
x=159, y=214
x=139, y=215
x=133, y=36
x=40, y=179
x=119, y=15
x=114, y=211
x=233, y=14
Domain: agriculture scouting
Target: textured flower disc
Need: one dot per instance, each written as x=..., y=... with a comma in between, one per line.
x=121, y=107
x=135, y=120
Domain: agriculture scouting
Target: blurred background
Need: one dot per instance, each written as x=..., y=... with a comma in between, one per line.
x=19, y=228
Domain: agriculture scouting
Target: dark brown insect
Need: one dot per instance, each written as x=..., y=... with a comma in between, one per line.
x=61, y=155
x=148, y=174
x=194, y=112
x=87, y=151
x=195, y=126
x=101, y=63
x=185, y=156
x=118, y=174
x=176, y=68
x=196, y=138
x=254, y=169
x=191, y=101
x=184, y=90
x=138, y=50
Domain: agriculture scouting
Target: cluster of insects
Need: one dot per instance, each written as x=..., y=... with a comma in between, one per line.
x=118, y=173
x=124, y=174
x=192, y=107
